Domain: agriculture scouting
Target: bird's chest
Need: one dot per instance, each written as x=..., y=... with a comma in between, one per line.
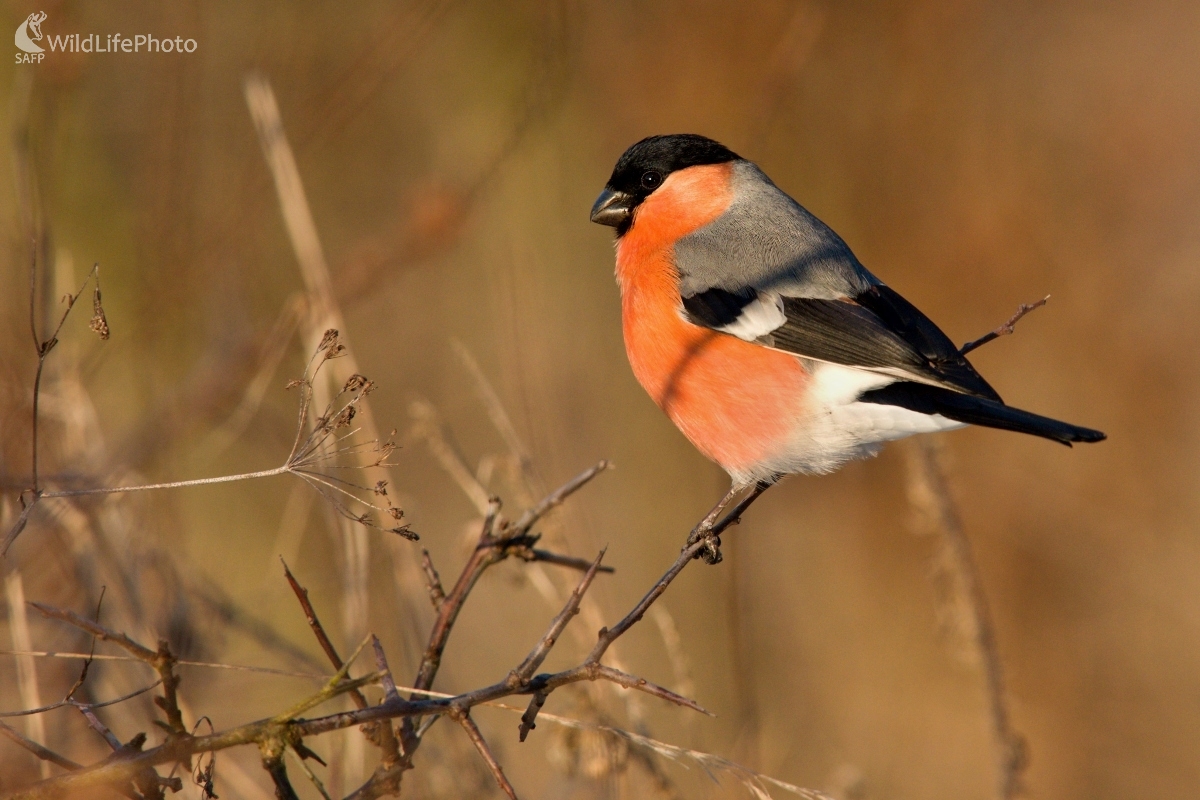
x=737, y=402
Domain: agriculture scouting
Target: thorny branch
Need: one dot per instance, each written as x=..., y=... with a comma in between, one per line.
x=289, y=728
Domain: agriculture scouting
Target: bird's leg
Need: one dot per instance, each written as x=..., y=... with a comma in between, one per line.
x=705, y=526
x=709, y=529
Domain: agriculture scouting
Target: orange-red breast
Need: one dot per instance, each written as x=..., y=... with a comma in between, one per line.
x=763, y=338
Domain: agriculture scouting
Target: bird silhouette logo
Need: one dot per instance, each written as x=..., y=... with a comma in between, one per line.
x=29, y=33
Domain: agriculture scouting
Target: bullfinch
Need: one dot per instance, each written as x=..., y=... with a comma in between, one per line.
x=762, y=337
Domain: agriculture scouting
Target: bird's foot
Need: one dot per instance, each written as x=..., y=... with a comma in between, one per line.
x=711, y=549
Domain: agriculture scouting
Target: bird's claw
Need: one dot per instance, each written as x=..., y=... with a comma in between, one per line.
x=711, y=550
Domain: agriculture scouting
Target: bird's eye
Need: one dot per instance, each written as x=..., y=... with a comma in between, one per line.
x=651, y=180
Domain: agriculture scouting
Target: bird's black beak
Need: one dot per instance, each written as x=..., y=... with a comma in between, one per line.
x=612, y=208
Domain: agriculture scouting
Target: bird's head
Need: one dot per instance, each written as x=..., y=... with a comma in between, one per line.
x=645, y=166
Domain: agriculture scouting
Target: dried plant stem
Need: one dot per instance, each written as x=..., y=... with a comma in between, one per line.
x=181, y=663
x=325, y=313
x=244, y=476
x=42, y=347
x=1010, y=745
x=27, y=680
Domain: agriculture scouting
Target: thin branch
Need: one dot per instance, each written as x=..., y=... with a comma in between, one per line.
x=87, y=663
x=558, y=496
x=69, y=702
x=1006, y=329
x=571, y=562
x=476, y=737
x=484, y=554
x=273, y=763
x=386, y=734
x=338, y=684
x=162, y=660
x=138, y=651
x=180, y=663
x=99, y=727
x=608, y=635
x=528, y=667
x=308, y=773
x=390, y=694
x=38, y=750
x=318, y=630
x=433, y=581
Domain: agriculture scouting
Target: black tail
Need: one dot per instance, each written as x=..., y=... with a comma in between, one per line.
x=927, y=399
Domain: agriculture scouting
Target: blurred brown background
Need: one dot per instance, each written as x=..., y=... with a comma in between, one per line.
x=975, y=155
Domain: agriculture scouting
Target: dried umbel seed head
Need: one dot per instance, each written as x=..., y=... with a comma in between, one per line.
x=328, y=340
x=404, y=531
x=356, y=382
x=344, y=418
x=381, y=488
x=99, y=323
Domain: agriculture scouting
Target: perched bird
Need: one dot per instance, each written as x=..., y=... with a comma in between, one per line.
x=762, y=337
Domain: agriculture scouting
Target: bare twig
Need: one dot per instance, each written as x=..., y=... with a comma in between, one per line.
x=389, y=684
x=1006, y=329
x=179, y=663
x=464, y=719
x=26, y=712
x=525, y=671
x=272, y=760
x=161, y=660
x=318, y=630
x=571, y=562
x=432, y=580
x=556, y=498
x=302, y=762
x=484, y=555
x=99, y=727
x=38, y=750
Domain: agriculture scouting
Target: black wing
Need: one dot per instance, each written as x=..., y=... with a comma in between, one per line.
x=875, y=329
